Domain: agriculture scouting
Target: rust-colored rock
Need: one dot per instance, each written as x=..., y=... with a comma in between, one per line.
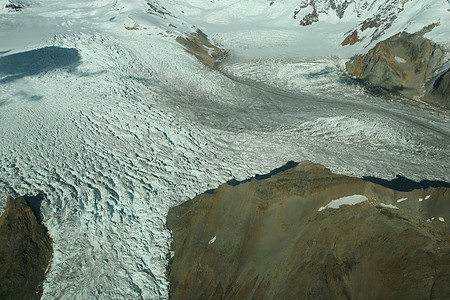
x=351, y=39
x=407, y=64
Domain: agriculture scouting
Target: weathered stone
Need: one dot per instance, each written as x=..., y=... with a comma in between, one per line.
x=267, y=239
x=25, y=252
x=405, y=64
x=198, y=45
x=351, y=39
x=310, y=18
x=438, y=90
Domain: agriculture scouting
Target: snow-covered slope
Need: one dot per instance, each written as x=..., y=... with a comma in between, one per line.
x=247, y=24
x=104, y=113
x=374, y=16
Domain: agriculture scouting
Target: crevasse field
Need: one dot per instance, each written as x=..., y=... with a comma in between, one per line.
x=104, y=114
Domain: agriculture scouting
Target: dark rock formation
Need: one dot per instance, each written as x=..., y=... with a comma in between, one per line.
x=383, y=14
x=274, y=239
x=198, y=45
x=310, y=18
x=320, y=7
x=438, y=90
x=25, y=252
x=408, y=64
x=14, y=6
x=157, y=9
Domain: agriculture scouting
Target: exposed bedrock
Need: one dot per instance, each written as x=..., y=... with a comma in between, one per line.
x=197, y=44
x=438, y=90
x=25, y=252
x=408, y=64
x=281, y=238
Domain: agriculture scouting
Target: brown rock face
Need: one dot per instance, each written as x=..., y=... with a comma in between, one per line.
x=273, y=239
x=351, y=39
x=198, y=45
x=25, y=252
x=405, y=64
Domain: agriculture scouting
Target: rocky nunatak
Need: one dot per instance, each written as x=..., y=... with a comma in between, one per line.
x=408, y=64
x=25, y=252
x=278, y=238
x=198, y=44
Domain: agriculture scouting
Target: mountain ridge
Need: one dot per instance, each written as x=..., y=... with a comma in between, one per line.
x=260, y=238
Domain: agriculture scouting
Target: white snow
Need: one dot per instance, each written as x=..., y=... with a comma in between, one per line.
x=116, y=126
x=426, y=198
x=399, y=60
x=401, y=200
x=212, y=240
x=388, y=206
x=347, y=200
x=441, y=219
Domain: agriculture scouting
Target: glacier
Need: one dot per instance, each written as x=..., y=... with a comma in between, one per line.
x=115, y=126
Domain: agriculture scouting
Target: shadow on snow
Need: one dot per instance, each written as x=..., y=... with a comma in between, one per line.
x=233, y=182
x=34, y=62
x=404, y=184
x=400, y=183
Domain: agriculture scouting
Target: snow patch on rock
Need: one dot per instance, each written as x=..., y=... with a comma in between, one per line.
x=212, y=240
x=347, y=200
x=400, y=60
x=388, y=206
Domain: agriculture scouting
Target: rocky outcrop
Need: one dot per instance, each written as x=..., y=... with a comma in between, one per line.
x=25, y=252
x=283, y=237
x=317, y=7
x=438, y=90
x=310, y=18
x=378, y=23
x=351, y=39
x=408, y=64
x=384, y=15
x=157, y=9
x=14, y=6
x=198, y=45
